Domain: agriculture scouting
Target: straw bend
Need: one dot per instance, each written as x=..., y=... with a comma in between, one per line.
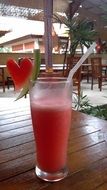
x=79, y=63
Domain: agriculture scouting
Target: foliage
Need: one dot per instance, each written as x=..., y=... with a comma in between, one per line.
x=98, y=111
x=82, y=104
x=80, y=32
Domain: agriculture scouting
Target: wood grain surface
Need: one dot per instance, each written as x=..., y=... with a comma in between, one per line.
x=87, y=153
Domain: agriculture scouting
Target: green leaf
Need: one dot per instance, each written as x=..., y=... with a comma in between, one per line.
x=35, y=73
x=24, y=91
x=37, y=62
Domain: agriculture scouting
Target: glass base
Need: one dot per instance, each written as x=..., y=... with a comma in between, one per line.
x=51, y=177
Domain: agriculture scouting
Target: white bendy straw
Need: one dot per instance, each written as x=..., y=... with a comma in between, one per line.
x=79, y=63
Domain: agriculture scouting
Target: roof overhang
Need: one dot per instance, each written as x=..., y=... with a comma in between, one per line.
x=95, y=10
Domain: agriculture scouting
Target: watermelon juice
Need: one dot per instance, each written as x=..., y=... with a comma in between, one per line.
x=51, y=119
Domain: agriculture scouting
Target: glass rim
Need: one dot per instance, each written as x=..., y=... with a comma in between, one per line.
x=50, y=80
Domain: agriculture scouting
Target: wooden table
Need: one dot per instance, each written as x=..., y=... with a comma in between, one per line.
x=87, y=153
x=2, y=74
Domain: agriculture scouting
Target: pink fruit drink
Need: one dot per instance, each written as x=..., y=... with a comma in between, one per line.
x=51, y=118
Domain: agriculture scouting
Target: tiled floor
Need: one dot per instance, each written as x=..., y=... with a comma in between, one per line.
x=7, y=99
x=95, y=96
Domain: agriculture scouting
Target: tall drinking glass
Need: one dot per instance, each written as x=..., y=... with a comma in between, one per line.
x=50, y=102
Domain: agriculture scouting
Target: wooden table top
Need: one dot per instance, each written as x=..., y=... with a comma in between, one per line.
x=87, y=153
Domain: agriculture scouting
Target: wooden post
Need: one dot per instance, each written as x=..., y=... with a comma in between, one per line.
x=48, y=13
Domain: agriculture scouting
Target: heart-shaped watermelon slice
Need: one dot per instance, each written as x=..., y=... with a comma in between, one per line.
x=20, y=73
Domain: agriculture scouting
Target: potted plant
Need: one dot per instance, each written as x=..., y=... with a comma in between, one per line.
x=80, y=33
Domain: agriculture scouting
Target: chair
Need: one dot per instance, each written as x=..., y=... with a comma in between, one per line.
x=71, y=61
x=97, y=72
x=86, y=71
x=2, y=77
x=10, y=82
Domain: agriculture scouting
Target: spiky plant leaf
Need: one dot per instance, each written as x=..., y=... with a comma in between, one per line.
x=80, y=32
